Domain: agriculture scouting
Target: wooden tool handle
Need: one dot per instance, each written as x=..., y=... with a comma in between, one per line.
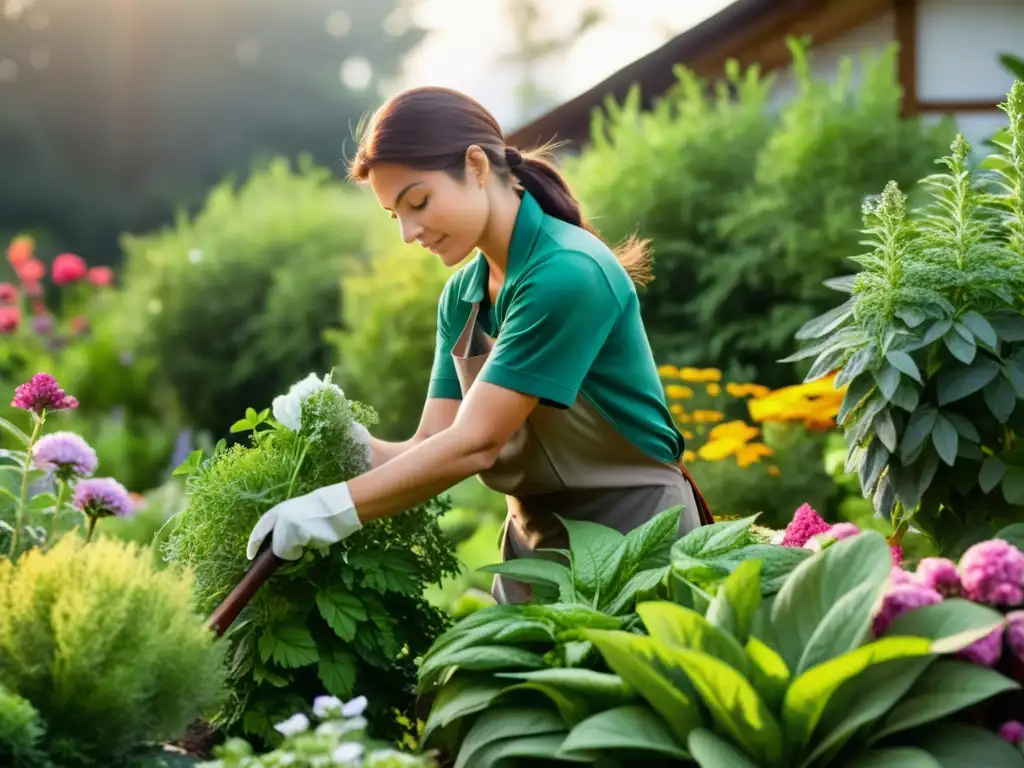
x=263, y=567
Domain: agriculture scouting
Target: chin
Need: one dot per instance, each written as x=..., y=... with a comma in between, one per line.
x=453, y=257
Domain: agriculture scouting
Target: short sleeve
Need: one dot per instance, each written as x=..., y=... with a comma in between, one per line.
x=555, y=327
x=444, y=382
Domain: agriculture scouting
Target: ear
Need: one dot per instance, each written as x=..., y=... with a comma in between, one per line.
x=478, y=166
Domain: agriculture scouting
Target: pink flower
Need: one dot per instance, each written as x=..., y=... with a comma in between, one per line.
x=66, y=453
x=805, y=524
x=987, y=651
x=897, y=554
x=1012, y=731
x=898, y=576
x=31, y=271
x=993, y=572
x=103, y=497
x=42, y=393
x=841, y=531
x=1015, y=633
x=100, y=276
x=940, y=574
x=68, y=268
x=900, y=599
x=8, y=293
x=10, y=319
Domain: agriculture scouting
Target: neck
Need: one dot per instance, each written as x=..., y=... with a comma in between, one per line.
x=497, y=236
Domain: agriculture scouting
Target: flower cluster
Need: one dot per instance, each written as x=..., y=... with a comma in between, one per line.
x=42, y=393
x=66, y=269
x=809, y=530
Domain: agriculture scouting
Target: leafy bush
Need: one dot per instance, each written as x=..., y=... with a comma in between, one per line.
x=780, y=670
x=749, y=209
x=21, y=732
x=339, y=739
x=386, y=344
x=351, y=620
x=233, y=302
x=108, y=650
x=929, y=346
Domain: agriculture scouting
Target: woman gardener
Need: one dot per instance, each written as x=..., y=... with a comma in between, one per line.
x=543, y=381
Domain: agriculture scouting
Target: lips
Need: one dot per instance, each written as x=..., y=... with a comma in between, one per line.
x=433, y=246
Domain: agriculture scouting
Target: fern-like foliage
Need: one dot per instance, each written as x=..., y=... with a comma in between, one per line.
x=344, y=621
x=930, y=346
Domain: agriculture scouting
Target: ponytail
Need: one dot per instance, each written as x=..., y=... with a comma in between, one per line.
x=535, y=173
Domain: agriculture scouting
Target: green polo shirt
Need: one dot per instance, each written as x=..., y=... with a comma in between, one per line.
x=566, y=323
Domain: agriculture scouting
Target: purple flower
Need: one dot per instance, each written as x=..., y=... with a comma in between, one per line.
x=1012, y=731
x=806, y=523
x=66, y=454
x=993, y=572
x=103, y=497
x=987, y=651
x=1015, y=633
x=940, y=574
x=900, y=599
x=41, y=393
x=43, y=323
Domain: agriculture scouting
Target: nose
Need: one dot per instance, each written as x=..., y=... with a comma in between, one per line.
x=410, y=231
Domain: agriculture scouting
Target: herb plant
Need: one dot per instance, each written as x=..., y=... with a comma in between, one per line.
x=930, y=348
x=346, y=620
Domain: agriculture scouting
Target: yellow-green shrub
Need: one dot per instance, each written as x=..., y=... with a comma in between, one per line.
x=109, y=650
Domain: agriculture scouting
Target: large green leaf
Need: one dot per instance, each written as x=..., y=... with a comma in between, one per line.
x=863, y=700
x=502, y=723
x=717, y=539
x=641, y=582
x=631, y=728
x=894, y=757
x=591, y=547
x=809, y=694
x=768, y=673
x=465, y=694
x=535, y=570
x=651, y=670
x=640, y=548
x=712, y=751
x=1014, y=534
x=947, y=687
x=681, y=627
x=481, y=657
x=981, y=328
x=957, y=382
x=289, y=645
x=905, y=364
x=737, y=600
x=1000, y=398
x=951, y=625
x=957, y=745
x=825, y=607
x=342, y=611
x=523, y=751
x=337, y=669
x=827, y=322
x=576, y=693
x=945, y=439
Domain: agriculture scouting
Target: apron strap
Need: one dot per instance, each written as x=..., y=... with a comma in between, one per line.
x=703, y=509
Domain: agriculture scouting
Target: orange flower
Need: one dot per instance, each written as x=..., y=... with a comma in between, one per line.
x=31, y=271
x=668, y=371
x=714, y=390
x=746, y=390
x=705, y=416
x=700, y=375
x=20, y=251
x=678, y=391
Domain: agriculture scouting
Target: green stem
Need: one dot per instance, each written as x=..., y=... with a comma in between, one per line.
x=92, y=527
x=897, y=535
x=62, y=496
x=23, y=499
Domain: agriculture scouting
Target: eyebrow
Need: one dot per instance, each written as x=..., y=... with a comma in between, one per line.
x=401, y=194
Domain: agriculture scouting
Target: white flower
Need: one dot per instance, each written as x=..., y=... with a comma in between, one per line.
x=777, y=538
x=325, y=706
x=287, y=408
x=347, y=753
x=355, y=707
x=293, y=725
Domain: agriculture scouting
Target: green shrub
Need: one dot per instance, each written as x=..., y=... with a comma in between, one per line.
x=21, y=732
x=386, y=344
x=108, y=650
x=748, y=210
x=929, y=346
x=234, y=302
x=351, y=620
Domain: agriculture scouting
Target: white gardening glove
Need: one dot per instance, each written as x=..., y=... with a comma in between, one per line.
x=318, y=519
x=361, y=436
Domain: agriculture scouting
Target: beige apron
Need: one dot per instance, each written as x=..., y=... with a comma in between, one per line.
x=573, y=463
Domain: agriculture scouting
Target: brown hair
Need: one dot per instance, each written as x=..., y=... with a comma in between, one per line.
x=431, y=128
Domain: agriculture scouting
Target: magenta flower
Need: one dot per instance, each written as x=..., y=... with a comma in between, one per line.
x=940, y=574
x=897, y=554
x=900, y=599
x=806, y=523
x=1015, y=633
x=66, y=454
x=993, y=572
x=41, y=393
x=987, y=651
x=1012, y=731
x=899, y=576
x=103, y=497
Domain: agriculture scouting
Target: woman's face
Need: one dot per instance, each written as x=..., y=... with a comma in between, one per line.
x=445, y=216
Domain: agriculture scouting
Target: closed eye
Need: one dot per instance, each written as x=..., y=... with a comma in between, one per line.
x=420, y=206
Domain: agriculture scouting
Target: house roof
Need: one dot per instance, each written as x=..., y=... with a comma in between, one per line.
x=714, y=39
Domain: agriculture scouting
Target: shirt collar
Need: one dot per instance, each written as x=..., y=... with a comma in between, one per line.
x=524, y=236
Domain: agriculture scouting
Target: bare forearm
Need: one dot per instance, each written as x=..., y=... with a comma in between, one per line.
x=416, y=474
x=382, y=451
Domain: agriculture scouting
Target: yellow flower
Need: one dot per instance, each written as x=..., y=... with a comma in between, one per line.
x=678, y=409
x=700, y=375
x=678, y=391
x=716, y=450
x=734, y=430
x=713, y=389
x=704, y=416
x=744, y=390
x=687, y=434
x=751, y=453
x=668, y=371
x=773, y=470
x=689, y=457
